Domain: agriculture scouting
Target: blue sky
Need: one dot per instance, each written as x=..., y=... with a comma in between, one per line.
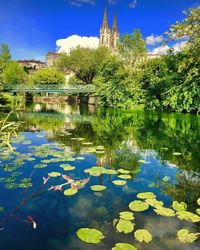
x=32, y=27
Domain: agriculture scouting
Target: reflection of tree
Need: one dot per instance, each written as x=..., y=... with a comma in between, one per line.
x=111, y=127
x=186, y=188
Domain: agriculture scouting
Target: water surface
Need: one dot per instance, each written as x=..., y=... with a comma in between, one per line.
x=145, y=143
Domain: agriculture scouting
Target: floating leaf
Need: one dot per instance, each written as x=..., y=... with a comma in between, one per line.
x=138, y=206
x=95, y=171
x=70, y=192
x=124, y=246
x=40, y=166
x=123, y=171
x=119, y=182
x=154, y=203
x=126, y=215
x=1, y=209
x=54, y=174
x=110, y=171
x=186, y=237
x=124, y=226
x=198, y=201
x=67, y=167
x=163, y=211
x=182, y=206
x=143, y=161
x=184, y=215
x=25, y=180
x=11, y=185
x=25, y=185
x=147, y=195
x=198, y=211
x=166, y=178
x=143, y=235
x=90, y=235
x=98, y=188
x=125, y=176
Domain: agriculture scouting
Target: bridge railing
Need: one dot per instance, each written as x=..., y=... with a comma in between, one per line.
x=50, y=87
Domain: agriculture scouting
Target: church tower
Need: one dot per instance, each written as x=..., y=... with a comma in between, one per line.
x=115, y=34
x=109, y=38
x=105, y=33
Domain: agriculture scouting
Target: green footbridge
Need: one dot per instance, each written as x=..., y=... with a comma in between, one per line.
x=52, y=88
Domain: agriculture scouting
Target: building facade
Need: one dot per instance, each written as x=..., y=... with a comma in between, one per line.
x=51, y=58
x=109, y=38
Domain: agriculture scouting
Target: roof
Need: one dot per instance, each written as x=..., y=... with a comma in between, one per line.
x=30, y=61
x=52, y=54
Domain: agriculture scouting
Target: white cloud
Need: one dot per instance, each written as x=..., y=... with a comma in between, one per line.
x=79, y=3
x=153, y=39
x=71, y=42
x=133, y=4
x=179, y=46
x=162, y=50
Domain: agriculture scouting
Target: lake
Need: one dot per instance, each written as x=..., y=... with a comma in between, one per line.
x=145, y=151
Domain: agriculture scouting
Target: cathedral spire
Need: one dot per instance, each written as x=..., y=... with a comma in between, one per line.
x=105, y=19
x=115, y=26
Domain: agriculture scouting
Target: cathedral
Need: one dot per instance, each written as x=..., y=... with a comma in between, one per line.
x=109, y=38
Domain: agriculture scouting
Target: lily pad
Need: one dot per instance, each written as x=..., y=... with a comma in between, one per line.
x=154, y=203
x=1, y=209
x=126, y=215
x=80, y=158
x=125, y=176
x=163, y=211
x=70, y=192
x=198, y=211
x=11, y=185
x=110, y=171
x=147, y=195
x=25, y=185
x=124, y=246
x=40, y=166
x=186, y=237
x=119, y=183
x=98, y=188
x=184, y=215
x=67, y=167
x=138, y=206
x=124, y=226
x=95, y=171
x=198, y=201
x=54, y=174
x=143, y=235
x=182, y=206
x=123, y=171
x=90, y=235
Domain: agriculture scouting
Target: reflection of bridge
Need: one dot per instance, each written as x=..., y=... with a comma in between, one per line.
x=51, y=88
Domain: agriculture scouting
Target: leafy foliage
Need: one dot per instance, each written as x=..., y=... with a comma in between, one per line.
x=47, y=76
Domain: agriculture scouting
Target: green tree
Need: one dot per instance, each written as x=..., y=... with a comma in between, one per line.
x=5, y=55
x=113, y=84
x=83, y=62
x=132, y=48
x=47, y=76
x=14, y=74
x=185, y=95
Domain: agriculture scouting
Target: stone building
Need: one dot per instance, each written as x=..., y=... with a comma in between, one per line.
x=31, y=65
x=109, y=38
x=51, y=58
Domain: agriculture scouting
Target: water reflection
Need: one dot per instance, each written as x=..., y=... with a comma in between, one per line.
x=142, y=142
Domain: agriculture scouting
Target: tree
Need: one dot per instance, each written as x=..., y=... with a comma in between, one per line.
x=5, y=53
x=132, y=48
x=14, y=74
x=113, y=84
x=47, y=76
x=185, y=95
x=83, y=62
